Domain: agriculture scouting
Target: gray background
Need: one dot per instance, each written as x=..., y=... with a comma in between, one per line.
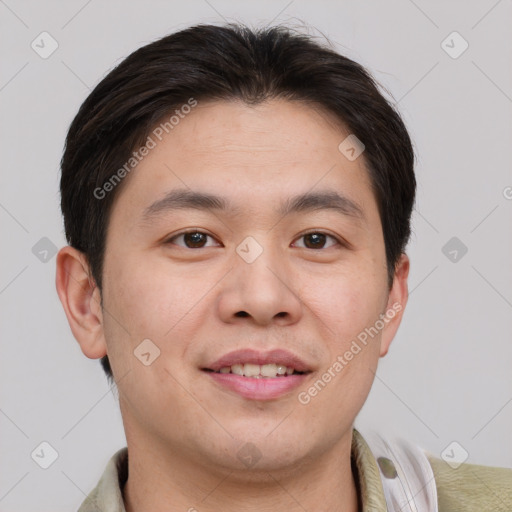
x=448, y=374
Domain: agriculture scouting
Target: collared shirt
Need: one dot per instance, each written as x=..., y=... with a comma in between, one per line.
x=468, y=488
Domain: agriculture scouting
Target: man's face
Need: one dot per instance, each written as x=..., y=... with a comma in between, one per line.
x=306, y=282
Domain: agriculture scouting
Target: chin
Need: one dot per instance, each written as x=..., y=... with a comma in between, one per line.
x=253, y=462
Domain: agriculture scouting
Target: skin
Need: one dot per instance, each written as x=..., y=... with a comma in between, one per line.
x=183, y=430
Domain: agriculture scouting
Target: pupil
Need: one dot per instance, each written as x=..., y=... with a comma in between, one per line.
x=317, y=239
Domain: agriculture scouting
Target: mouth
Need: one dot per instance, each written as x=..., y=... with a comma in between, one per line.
x=258, y=376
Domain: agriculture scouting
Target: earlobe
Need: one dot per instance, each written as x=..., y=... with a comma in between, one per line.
x=397, y=301
x=81, y=300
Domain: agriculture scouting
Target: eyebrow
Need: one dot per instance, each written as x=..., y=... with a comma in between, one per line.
x=187, y=199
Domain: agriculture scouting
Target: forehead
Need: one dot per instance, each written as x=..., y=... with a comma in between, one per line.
x=255, y=154
x=273, y=127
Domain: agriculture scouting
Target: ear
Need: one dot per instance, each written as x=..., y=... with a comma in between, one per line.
x=397, y=300
x=81, y=300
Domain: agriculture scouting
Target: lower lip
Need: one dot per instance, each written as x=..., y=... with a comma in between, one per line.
x=264, y=388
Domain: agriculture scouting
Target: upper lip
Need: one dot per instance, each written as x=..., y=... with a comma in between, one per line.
x=277, y=356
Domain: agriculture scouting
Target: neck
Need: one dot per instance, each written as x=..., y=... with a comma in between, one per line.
x=168, y=481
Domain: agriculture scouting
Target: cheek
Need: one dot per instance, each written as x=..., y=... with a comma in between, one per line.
x=151, y=299
x=346, y=303
x=348, y=311
x=146, y=301
x=148, y=298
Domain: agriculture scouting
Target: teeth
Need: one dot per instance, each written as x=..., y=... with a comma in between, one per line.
x=257, y=371
x=281, y=369
x=237, y=369
x=251, y=370
x=269, y=370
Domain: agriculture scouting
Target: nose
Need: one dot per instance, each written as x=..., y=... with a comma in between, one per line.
x=260, y=292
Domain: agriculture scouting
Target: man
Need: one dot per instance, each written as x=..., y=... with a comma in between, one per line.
x=237, y=206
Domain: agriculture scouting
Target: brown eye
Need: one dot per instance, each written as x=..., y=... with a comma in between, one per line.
x=317, y=240
x=191, y=240
x=194, y=240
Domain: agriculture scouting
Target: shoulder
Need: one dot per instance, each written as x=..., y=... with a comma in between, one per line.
x=472, y=487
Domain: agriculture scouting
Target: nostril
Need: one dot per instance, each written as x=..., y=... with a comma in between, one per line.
x=242, y=314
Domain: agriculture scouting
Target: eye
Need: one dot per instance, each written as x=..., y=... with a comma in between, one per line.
x=191, y=239
x=317, y=240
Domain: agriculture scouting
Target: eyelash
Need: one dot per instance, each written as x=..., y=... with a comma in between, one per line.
x=337, y=240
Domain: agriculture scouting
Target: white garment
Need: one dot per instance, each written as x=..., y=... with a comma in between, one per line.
x=406, y=474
